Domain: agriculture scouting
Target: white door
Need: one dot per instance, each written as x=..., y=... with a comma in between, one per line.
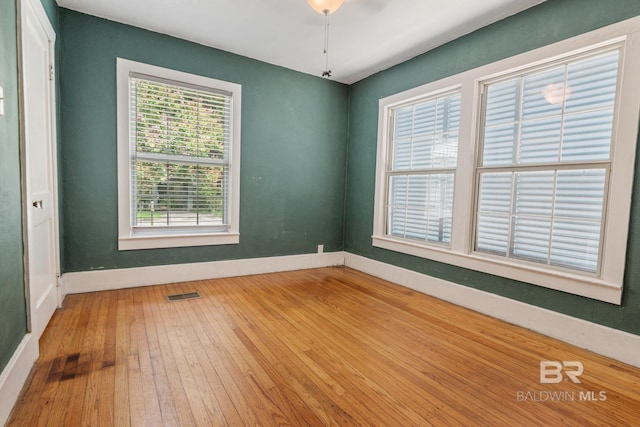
x=40, y=171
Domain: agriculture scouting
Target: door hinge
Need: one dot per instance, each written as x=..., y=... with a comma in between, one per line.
x=51, y=72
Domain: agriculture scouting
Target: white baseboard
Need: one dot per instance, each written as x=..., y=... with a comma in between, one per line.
x=102, y=280
x=606, y=341
x=15, y=374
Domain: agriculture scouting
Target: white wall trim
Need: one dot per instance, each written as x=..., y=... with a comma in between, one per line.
x=102, y=280
x=15, y=374
x=603, y=340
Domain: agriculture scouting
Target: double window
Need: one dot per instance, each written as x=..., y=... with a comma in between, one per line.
x=178, y=158
x=521, y=168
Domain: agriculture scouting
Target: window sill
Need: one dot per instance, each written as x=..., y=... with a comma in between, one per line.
x=183, y=240
x=590, y=287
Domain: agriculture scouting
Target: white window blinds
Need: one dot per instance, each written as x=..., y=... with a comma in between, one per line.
x=180, y=158
x=545, y=162
x=424, y=148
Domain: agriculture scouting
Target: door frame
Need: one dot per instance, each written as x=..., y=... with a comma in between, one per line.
x=35, y=8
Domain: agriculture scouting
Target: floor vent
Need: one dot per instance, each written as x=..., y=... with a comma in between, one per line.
x=182, y=297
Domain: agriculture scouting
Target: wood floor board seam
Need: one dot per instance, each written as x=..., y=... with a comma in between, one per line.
x=326, y=346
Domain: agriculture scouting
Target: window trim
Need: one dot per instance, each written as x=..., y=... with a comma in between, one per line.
x=190, y=236
x=608, y=285
x=389, y=171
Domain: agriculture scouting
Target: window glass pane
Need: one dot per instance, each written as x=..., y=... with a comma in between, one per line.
x=543, y=93
x=180, y=157
x=534, y=193
x=532, y=219
x=440, y=208
x=416, y=224
x=148, y=176
x=501, y=116
x=540, y=141
x=448, y=119
x=402, y=154
x=397, y=206
x=174, y=120
x=531, y=212
x=498, y=145
x=417, y=196
x=493, y=234
x=503, y=103
x=592, y=82
x=425, y=119
x=566, y=114
x=580, y=194
x=397, y=220
x=402, y=138
x=494, y=212
x=421, y=152
x=575, y=244
x=587, y=136
x=423, y=133
x=553, y=214
x=398, y=190
x=500, y=141
x=421, y=207
x=403, y=123
x=495, y=192
x=426, y=134
x=531, y=238
x=445, y=150
x=170, y=194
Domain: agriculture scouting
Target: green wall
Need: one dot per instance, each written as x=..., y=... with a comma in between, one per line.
x=13, y=324
x=294, y=133
x=551, y=21
x=51, y=9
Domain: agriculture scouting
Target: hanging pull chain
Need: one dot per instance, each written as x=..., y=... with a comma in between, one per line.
x=327, y=71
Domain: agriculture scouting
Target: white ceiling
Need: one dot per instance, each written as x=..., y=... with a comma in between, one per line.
x=367, y=36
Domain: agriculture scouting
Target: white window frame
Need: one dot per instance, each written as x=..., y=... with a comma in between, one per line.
x=607, y=285
x=128, y=238
x=390, y=171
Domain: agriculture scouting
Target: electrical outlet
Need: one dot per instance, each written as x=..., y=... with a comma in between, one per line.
x=320, y=249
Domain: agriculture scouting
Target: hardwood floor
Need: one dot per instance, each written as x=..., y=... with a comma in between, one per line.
x=329, y=346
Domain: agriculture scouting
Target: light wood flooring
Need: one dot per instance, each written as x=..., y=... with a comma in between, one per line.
x=329, y=346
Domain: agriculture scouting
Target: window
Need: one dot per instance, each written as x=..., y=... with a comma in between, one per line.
x=424, y=146
x=531, y=176
x=545, y=162
x=178, y=158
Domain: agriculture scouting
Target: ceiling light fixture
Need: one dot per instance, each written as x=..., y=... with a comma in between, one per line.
x=326, y=8
x=556, y=93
